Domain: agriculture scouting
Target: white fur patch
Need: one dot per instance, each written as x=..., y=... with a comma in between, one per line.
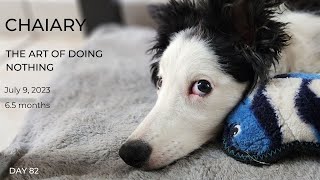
x=303, y=52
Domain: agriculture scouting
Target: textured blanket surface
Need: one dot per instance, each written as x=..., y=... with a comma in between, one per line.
x=96, y=104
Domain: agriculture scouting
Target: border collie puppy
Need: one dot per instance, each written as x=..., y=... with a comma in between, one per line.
x=208, y=54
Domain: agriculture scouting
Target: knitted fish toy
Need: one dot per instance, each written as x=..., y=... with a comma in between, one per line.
x=277, y=119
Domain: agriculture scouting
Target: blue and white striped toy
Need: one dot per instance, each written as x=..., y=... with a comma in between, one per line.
x=278, y=118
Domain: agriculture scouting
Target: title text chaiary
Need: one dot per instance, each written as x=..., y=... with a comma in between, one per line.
x=44, y=24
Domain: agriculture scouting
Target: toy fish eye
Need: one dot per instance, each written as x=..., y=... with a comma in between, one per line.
x=235, y=130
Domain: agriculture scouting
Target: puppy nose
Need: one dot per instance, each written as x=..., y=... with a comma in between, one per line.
x=135, y=153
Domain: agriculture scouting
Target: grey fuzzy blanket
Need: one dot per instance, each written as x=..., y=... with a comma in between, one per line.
x=96, y=104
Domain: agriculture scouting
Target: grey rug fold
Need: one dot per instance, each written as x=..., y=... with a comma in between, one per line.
x=96, y=104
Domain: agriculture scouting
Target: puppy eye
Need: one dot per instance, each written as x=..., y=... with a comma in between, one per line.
x=159, y=82
x=235, y=130
x=201, y=88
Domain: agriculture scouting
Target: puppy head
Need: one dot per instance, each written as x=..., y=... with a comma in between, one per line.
x=207, y=54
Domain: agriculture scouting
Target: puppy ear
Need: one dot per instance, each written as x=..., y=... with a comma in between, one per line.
x=252, y=32
x=248, y=16
x=242, y=20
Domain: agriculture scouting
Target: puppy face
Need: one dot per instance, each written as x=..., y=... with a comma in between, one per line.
x=206, y=56
x=194, y=96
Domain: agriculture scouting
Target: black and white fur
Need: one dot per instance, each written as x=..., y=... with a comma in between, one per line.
x=232, y=44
